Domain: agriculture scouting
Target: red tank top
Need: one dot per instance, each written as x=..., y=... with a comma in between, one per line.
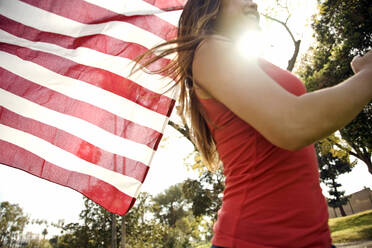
x=272, y=196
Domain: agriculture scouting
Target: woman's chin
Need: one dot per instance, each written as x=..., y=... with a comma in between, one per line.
x=252, y=22
x=252, y=26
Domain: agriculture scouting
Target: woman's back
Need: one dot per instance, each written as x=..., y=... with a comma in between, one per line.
x=272, y=196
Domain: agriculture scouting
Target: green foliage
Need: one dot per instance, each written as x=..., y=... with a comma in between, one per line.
x=343, y=29
x=337, y=147
x=172, y=210
x=164, y=221
x=170, y=205
x=94, y=231
x=205, y=193
x=142, y=230
x=12, y=222
x=181, y=216
x=34, y=243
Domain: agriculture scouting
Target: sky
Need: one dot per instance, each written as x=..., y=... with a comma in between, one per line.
x=44, y=200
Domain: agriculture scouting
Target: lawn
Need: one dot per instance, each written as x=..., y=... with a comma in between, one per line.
x=352, y=228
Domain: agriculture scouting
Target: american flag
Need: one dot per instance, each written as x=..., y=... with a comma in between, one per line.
x=70, y=112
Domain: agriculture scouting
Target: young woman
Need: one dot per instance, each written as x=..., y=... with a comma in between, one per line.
x=260, y=122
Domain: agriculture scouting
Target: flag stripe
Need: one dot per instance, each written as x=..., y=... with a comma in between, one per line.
x=99, y=117
x=99, y=191
x=115, y=56
x=93, y=95
x=71, y=111
x=77, y=127
x=53, y=23
x=94, y=76
x=63, y=159
x=97, y=15
x=164, y=4
x=138, y=7
x=74, y=145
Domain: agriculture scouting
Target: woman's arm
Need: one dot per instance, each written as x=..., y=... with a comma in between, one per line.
x=334, y=107
x=288, y=121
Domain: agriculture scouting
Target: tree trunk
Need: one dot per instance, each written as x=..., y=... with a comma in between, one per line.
x=123, y=232
x=342, y=211
x=364, y=156
x=351, y=207
x=334, y=211
x=292, y=61
x=368, y=162
x=113, y=231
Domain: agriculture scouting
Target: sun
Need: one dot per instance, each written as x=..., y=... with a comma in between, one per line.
x=251, y=44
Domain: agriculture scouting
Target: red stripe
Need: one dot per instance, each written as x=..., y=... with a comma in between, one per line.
x=98, y=77
x=100, y=192
x=88, y=13
x=75, y=145
x=99, y=42
x=167, y=5
x=66, y=105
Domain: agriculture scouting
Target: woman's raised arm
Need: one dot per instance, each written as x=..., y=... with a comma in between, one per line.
x=288, y=121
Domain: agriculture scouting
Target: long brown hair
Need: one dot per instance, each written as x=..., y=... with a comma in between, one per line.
x=197, y=21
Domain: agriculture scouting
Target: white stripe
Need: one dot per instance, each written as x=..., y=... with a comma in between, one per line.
x=68, y=161
x=171, y=16
x=85, y=56
x=50, y=22
x=127, y=7
x=83, y=92
x=137, y=7
x=77, y=127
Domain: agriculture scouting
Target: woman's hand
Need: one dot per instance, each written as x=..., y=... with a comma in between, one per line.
x=360, y=63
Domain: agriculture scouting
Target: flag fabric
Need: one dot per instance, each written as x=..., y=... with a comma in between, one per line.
x=70, y=111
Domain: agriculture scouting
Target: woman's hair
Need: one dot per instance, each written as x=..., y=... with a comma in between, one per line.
x=197, y=21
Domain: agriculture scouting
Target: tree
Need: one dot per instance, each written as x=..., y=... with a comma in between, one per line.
x=173, y=210
x=204, y=194
x=343, y=29
x=97, y=227
x=95, y=231
x=331, y=167
x=44, y=233
x=170, y=205
x=281, y=8
x=142, y=229
x=12, y=223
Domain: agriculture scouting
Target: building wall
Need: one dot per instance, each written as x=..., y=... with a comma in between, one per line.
x=358, y=202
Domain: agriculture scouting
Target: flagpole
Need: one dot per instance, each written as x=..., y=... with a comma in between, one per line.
x=113, y=231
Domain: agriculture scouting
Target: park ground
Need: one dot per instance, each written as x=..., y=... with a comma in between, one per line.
x=354, y=231
x=356, y=244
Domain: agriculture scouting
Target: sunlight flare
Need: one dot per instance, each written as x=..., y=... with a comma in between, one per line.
x=250, y=45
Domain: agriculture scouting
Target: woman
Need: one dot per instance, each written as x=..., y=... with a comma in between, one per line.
x=262, y=124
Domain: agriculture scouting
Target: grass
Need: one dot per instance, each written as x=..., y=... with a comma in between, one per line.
x=352, y=228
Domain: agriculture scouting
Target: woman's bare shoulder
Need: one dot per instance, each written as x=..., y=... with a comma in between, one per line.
x=213, y=42
x=205, y=55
